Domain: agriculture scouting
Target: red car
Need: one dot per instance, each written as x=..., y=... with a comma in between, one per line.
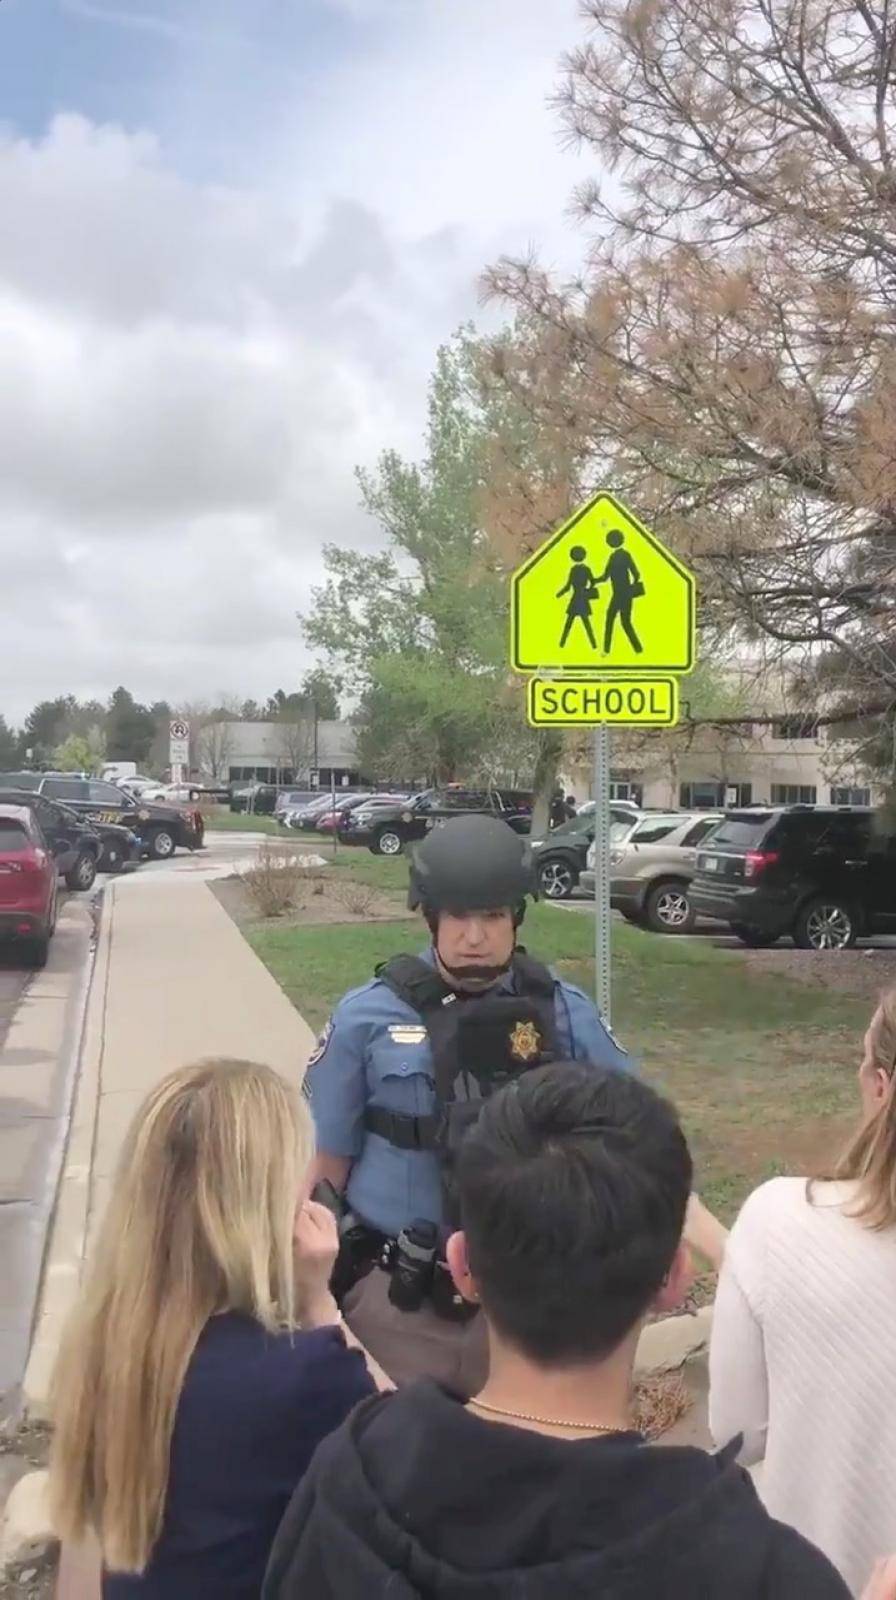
x=27, y=884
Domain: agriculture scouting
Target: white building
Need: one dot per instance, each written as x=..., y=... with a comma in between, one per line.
x=790, y=762
x=307, y=753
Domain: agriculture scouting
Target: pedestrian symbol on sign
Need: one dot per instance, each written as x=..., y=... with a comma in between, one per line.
x=582, y=587
x=628, y=601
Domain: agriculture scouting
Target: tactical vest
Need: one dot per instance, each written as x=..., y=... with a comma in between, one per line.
x=479, y=1043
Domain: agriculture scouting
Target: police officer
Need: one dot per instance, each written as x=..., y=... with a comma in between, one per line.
x=405, y=1058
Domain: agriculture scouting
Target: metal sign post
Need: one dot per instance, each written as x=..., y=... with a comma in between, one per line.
x=602, y=982
x=605, y=615
x=178, y=749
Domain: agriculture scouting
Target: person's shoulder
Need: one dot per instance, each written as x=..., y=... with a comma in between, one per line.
x=281, y=1362
x=777, y=1197
x=571, y=991
x=356, y=999
x=777, y=1209
x=369, y=1003
x=797, y=1567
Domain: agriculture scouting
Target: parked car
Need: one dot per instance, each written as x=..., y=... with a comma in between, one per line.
x=305, y=818
x=826, y=875
x=294, y=800
x=27, y=884
x=259, y=798
x=74, y=844
x=79, y=848
x=161, y=829
x=561, y=856
x=651, y=867
x=331, y=819
x=387, y=828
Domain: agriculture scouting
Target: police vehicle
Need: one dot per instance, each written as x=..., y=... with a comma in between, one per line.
x=79, y=848
x=386, y=829
x=161, y=829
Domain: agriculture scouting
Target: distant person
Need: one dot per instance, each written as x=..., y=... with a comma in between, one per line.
x=563, y=808
x=580, y=586
x=573, y=1186
x=625, y=588
x=205, y=1361
x=803, y=1358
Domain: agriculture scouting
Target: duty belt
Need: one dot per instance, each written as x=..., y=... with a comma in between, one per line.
x=402, y=1130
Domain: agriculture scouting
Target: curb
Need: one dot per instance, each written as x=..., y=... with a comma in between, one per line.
x=71, y=1026
x=25, y=1538
x=666, y=1345
x=68, y=1232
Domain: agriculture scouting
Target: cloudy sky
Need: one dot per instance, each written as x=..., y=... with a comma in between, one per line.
x=233, y=234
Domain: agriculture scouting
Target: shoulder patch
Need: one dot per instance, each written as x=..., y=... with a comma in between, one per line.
x=320, y=1049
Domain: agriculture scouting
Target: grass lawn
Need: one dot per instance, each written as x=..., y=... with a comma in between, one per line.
x=223, y=821
x=761, y=1067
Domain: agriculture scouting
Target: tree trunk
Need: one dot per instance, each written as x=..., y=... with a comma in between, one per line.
x=544, y=782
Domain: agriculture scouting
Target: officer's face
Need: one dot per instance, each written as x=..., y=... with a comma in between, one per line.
x=474, y=949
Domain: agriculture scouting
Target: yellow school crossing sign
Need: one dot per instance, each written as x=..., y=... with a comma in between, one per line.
x=603, y=595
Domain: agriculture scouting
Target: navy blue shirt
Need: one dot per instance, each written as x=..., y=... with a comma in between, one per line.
x=253, y=1409
x=375, y=1051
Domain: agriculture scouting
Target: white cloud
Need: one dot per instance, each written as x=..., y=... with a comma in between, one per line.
x=192, y=368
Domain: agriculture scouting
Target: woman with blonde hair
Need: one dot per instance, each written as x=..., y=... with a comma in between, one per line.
x=206, y=1359
x=803, y=1353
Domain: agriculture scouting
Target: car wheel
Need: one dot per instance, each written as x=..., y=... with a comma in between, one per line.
x=754, y=938
x=113, y=858
x=667, y=909
x=825, y=924
x=36, y=952
x=387, y=843
x=161, y=845
x=82, y=875
x=557, y=879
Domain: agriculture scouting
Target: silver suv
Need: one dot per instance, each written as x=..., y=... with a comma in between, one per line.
x=652, y=866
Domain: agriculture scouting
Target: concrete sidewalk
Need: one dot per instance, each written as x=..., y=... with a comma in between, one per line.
x=174, y=981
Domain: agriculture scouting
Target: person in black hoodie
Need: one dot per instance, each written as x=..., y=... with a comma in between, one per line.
x=573, y=1187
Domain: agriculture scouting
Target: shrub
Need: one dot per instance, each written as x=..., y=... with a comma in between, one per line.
x=274, y=881
x=357, y=898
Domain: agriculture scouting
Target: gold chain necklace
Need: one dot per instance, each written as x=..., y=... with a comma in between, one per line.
x=545, y=1422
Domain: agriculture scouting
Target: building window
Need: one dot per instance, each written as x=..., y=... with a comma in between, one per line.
x=622, y=788
x=709, y=795
x=789, y=729
x=701, y=796
x=846, y=796
x=794, y=794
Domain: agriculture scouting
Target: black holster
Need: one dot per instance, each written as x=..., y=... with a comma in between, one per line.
x=360, y=1248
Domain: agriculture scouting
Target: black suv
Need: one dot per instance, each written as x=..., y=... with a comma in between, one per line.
x=825, y=875
x=75, y=846
x=160, y=828
x=386, y=829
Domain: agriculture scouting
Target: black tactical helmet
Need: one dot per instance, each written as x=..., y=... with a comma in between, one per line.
x=471, y=864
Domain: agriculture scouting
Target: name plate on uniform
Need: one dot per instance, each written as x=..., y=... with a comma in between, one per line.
x=407, y=1033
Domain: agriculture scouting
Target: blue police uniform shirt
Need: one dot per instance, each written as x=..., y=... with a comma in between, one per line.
x=374, y=1051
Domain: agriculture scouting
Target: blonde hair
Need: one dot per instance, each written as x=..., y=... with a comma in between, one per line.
x=200, y=1220
x=870, y=1157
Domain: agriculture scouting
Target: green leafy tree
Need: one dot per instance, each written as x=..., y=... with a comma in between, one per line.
x=74, y=754
x=10, y=746
x=320, y=691
x=418, y=630
x=46, y=726
x=130, y=728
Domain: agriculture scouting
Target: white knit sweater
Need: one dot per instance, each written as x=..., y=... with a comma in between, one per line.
x=803, y=1363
